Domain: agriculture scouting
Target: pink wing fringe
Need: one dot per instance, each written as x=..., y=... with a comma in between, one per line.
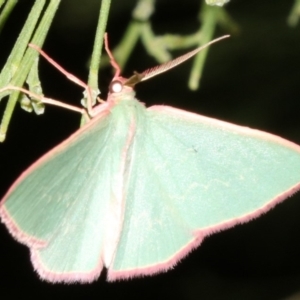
x=35, y=244
x=199, y=237
x=17, y=233
x=67, y=277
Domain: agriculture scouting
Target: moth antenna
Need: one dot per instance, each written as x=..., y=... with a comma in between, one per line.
x=175, y=62
x=111, y=57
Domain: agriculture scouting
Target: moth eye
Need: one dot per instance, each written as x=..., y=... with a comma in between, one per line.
x=116, y=86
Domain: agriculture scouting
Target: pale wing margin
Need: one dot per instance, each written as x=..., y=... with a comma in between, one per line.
x=191, y=176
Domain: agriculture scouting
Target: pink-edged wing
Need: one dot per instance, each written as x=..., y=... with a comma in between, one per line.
x=136, y=189
x=190, y=176
x=60, y=206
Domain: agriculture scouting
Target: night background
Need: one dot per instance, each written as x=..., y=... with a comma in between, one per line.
x=251, y=79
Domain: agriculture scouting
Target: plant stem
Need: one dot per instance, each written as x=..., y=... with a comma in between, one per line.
x=209, y=20
x=98, y=45
x=6, y=11
x=28, y=59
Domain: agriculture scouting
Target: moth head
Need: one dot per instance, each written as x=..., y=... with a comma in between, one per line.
x=118, y=85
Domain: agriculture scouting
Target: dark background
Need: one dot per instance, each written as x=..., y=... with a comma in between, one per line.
x=251, y=79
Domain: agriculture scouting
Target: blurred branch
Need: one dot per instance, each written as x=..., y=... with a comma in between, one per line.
x=216, y=2
x=9, y=6
x=160, y=46
x=208, y=17
x=294, y=15
x=140, y=18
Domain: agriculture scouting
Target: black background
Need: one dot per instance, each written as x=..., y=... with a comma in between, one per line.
x=251, y=79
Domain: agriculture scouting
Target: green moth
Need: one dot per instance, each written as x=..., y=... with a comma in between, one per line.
x=136, y=189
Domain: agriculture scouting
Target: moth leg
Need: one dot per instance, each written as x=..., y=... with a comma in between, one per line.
x=37, y=98
x=69, y=76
